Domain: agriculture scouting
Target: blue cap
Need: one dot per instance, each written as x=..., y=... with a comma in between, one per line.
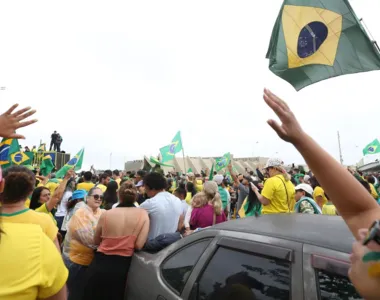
x=79, y=194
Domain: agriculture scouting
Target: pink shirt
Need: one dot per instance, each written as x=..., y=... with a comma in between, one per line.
x=203, y=217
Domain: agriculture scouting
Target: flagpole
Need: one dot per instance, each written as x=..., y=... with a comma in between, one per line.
x=184, y=161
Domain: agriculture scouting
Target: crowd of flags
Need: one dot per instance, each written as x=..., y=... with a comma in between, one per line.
x=11, y=154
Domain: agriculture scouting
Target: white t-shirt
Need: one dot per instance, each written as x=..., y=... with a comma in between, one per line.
x=70, y=214
x=62, y=207
x=185, y=207
x=164, y=211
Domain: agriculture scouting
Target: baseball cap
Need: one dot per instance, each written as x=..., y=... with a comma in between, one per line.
x=273, y=162
x=79, y=194
x=306, y=178
x=305, y=187
x=190, y=174
x=140, y=183
x=218, y=178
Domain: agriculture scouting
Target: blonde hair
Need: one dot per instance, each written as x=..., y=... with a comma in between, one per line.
x=210, y=189
x=199, y=200
x=283, y=172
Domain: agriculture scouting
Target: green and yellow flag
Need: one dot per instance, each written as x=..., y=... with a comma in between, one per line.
x=314, y=40
x=76, y=163
x=222, y=162
x=372, y=148
x=168, y=152
x=47, y=165
x=8, y=147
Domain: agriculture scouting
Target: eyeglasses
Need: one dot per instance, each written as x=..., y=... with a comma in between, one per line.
x=373, y=233
x=97, y=197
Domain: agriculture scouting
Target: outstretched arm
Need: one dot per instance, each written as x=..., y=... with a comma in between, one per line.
x=353, y=202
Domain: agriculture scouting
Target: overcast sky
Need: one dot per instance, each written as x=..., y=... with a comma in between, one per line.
x=125, y=76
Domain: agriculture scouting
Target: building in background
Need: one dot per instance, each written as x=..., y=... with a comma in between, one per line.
x=197, y=164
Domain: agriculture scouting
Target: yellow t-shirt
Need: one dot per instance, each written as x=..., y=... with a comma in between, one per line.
x=29, y=216
x=102, y=187
x=43, y=209
x=118, y=180
x=188, y=198
x=52, y=186
x=87, y=186
x=329, y=209
x=318, y=191
x=27, y=203
x=34, y=268
x=373, y=191
x=281, y=200
x=199, y=186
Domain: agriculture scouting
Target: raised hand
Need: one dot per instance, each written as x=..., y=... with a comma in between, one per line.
x=10, y=121
x=290, y=130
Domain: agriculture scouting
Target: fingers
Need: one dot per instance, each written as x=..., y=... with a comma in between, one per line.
x=362, y=234
x=11, y=109
x=25, y=115
x=274, y=105
x=276, y=127
x=27, y=123
x=17, y=136
x=277, y=99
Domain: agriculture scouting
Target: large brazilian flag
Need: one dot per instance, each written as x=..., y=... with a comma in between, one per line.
x=314, y=40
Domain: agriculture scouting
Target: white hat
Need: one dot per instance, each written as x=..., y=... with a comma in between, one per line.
x=305, y=187
x=190, y=174
x=273, y=162
x=306, y=178
x=218, y=179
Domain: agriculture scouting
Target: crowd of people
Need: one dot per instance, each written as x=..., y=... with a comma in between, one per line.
x=82, y=231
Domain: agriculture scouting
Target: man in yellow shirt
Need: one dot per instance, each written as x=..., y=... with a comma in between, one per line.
x=104, y=179
x=87, y=185
x=116, y=176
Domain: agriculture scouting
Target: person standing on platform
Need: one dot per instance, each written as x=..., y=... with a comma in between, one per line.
x=58, y=142
x=53, y=140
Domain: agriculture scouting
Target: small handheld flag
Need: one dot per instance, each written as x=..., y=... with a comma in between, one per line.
x=47, y=165
x=222, y=162
x=19, y=158
x=313, y=40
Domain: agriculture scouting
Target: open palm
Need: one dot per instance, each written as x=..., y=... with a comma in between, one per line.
x=290, y=130
x=10, y=121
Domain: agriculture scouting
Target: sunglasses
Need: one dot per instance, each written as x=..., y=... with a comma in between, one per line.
x=97, y=197
x=373, y=234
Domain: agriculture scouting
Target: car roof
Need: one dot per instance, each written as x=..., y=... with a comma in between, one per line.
x=320, y=230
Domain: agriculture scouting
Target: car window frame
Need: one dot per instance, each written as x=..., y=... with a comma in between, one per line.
x=244, y=242
x=314, y=258
x=210, y=239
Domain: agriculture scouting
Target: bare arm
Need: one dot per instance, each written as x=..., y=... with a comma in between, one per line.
x=233, y=175
x=353, y=202
x=181, y=222
x=61, y=295
x=143, y=235
x=57, y=196
x=99, y=229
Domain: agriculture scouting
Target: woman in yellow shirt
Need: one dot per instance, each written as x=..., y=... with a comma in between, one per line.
x=31, y=266
x=18, y=185
x=41, y=200
x=319, y=194
x=278, y=193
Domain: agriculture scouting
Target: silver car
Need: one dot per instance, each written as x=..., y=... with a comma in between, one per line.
x=283, y=256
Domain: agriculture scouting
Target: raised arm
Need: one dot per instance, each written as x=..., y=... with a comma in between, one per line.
x=57, y=196
x=353, y=202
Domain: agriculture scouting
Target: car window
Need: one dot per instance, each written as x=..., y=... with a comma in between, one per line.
x=335, y=287
x=233, y=274
x=176, y=270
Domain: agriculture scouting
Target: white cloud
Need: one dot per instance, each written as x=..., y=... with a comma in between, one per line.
x=124, y=76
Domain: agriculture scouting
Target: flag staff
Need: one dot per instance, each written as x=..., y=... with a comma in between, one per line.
x=184, y=161
x=340, y=149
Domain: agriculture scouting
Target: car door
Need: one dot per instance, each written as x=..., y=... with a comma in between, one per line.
x=326, y=275
x=247, y=266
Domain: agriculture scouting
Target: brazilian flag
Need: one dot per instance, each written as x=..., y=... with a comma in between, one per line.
x=20, y=158
x=314, y=40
